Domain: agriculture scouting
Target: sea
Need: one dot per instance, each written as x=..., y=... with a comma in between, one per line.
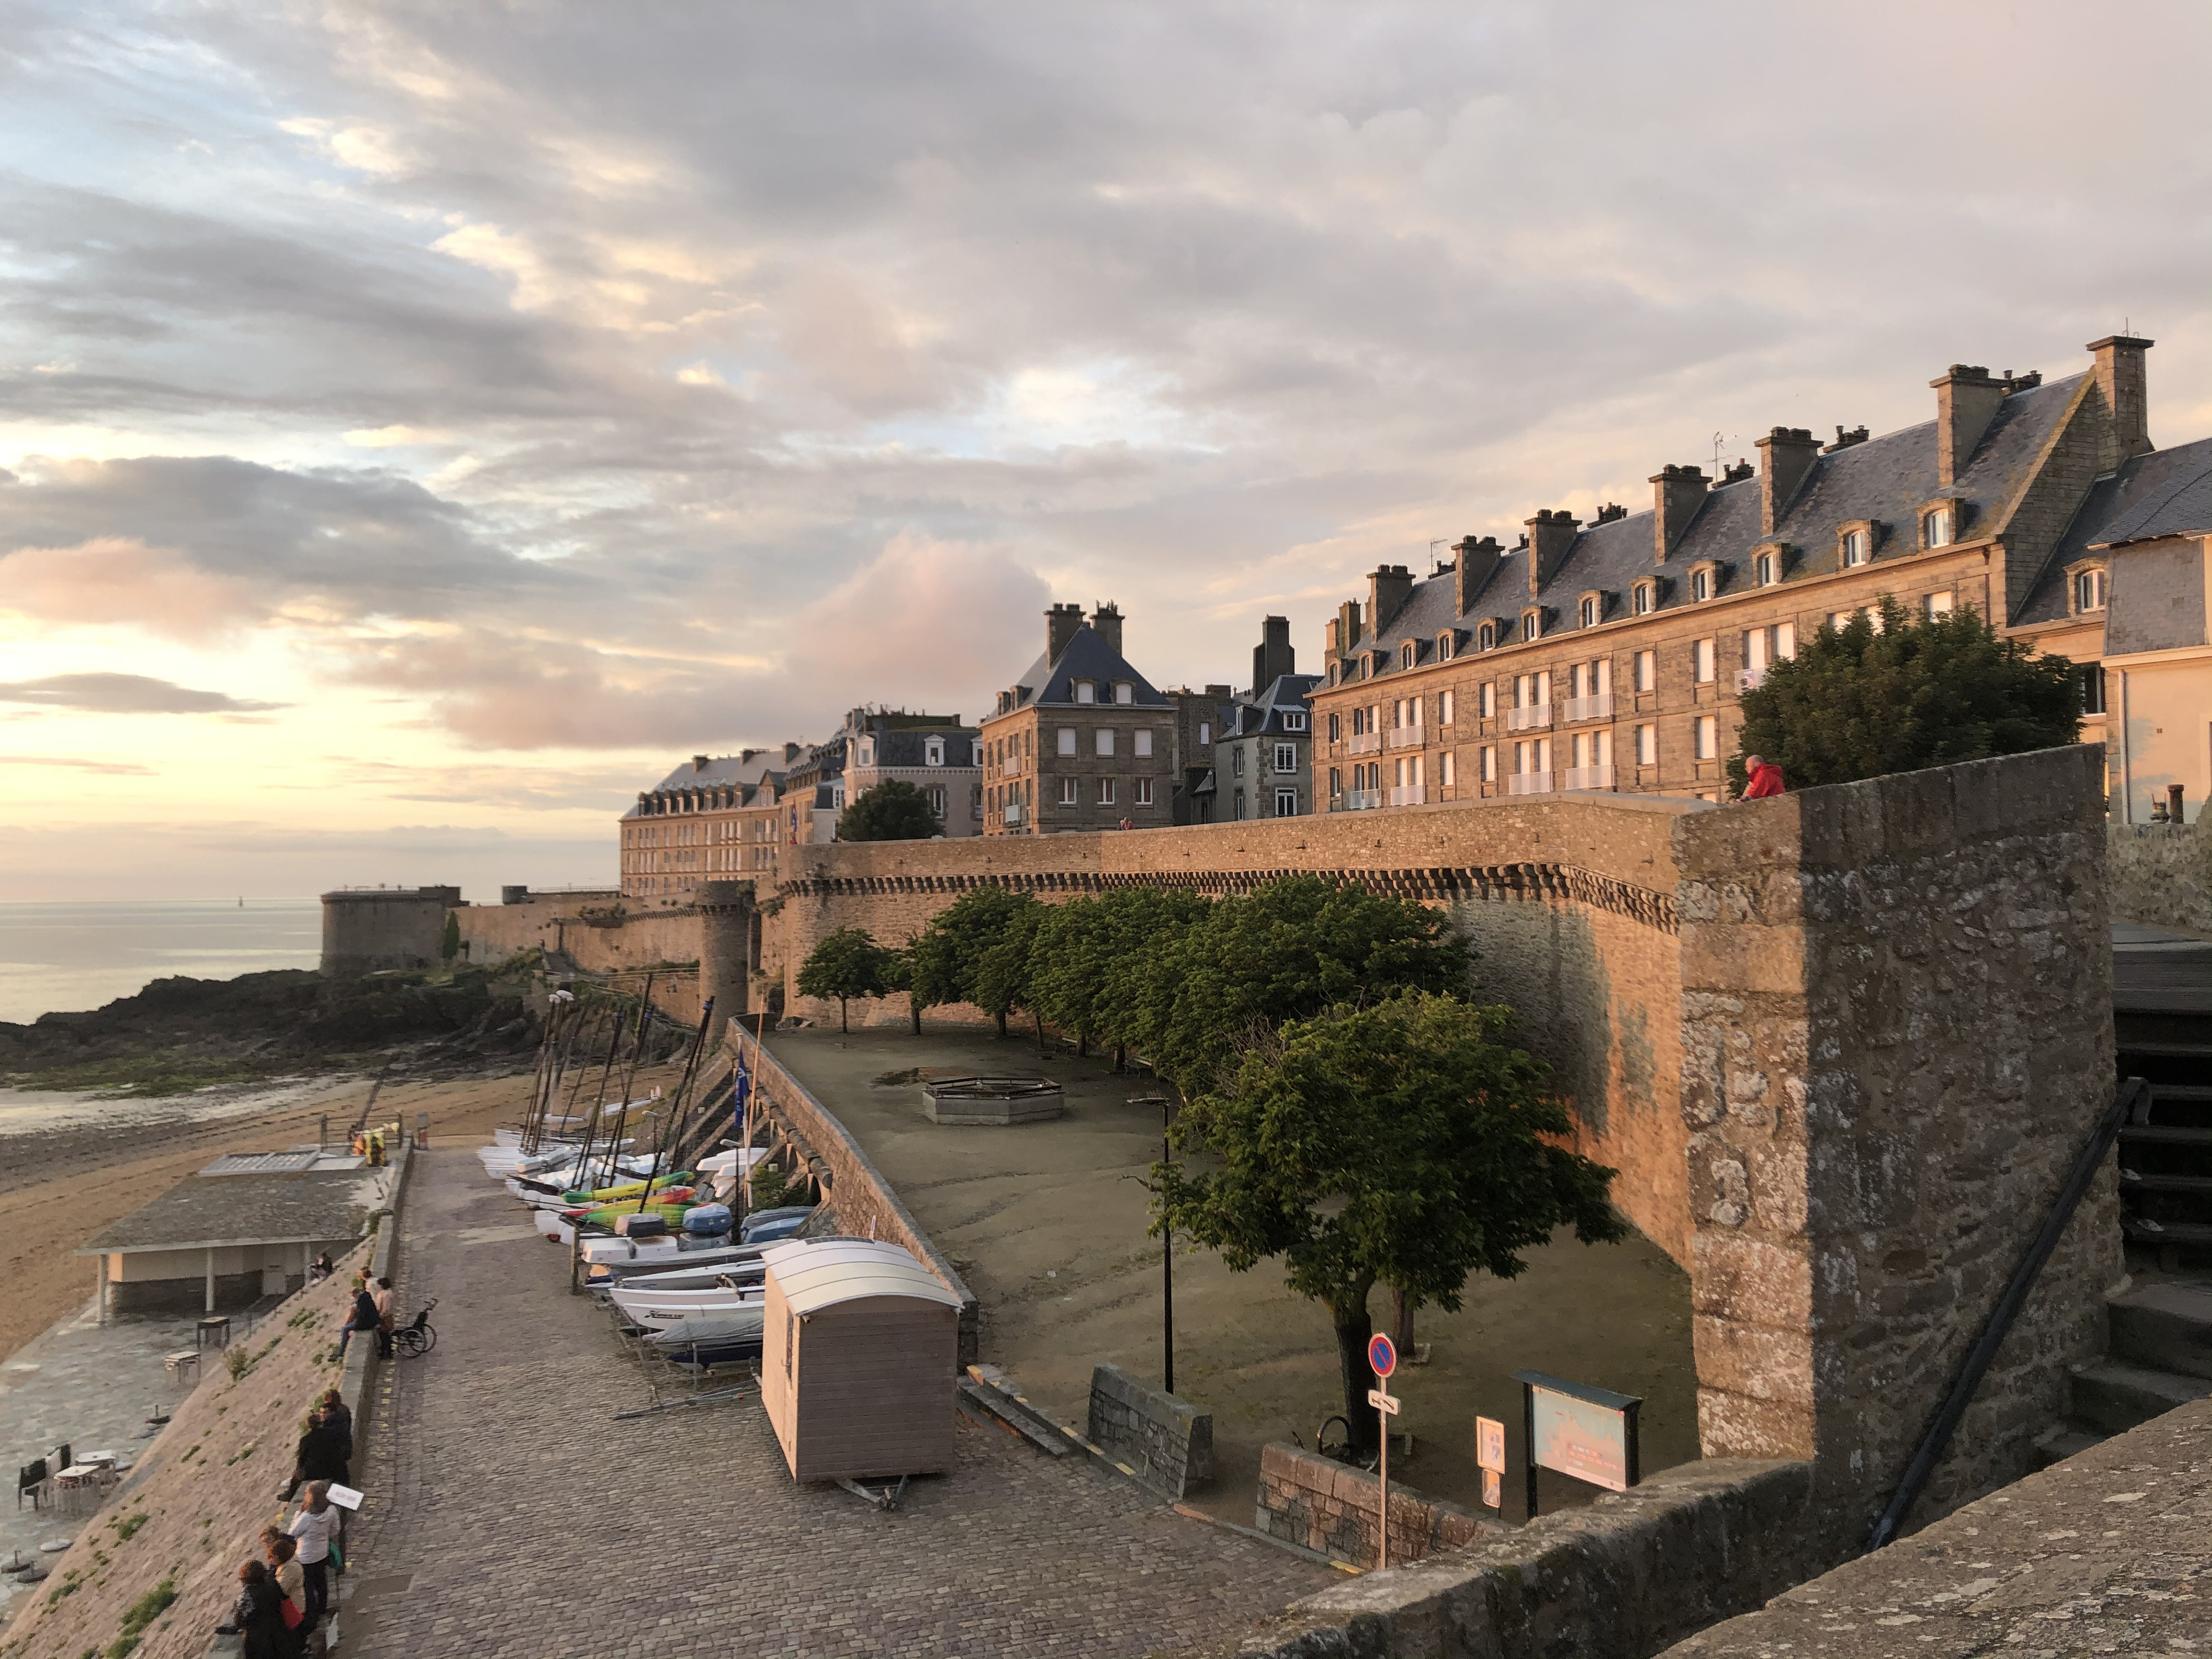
x=80, y=955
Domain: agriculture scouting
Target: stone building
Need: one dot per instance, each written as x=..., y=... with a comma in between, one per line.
x=935, y=752
x=1610, y=655
x=1082, y=741
x=712, y=819
x=1252, y=751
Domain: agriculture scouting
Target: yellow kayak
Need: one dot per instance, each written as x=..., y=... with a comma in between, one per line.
x=631, y=1189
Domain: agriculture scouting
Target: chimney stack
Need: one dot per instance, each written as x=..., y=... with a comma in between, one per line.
x=1347, y=628
x=1388, y=588
x=1059, y=625
x=1966, y=401
x=1786, y=454
x=2121, y=378
x=1550, y=535
x=698, y=763
x=1477, y=563
x=1274, y=656
x=1677, y=492
x=1106, y=623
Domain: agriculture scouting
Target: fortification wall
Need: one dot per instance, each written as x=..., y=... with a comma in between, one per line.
x=367, y=932
x=2162, y=874
x=1567, y=902
x=598, y=933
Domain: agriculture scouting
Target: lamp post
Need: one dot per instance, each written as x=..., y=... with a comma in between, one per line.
x=1167, y=1244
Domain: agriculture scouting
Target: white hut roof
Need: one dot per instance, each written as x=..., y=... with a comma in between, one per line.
x=818, y=1274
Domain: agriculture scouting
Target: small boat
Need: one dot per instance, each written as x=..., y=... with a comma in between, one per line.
x=659, y=1310
x=744, y=1269
x=743, y=1322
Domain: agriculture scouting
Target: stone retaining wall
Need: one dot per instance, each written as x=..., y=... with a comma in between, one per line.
x=2162, y=874
x=1167, y=1442
x=1335, y=1509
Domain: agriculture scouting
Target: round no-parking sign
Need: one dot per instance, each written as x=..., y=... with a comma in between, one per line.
x=1382, y=1356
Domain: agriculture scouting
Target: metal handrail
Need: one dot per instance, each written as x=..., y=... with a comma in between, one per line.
x=2000, y=1322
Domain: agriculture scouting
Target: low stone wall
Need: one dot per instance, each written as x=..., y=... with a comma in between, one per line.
x=2161, y=874
x=1335, y=1509
x=1622, y=1579
x=865, y=1201
x=1168, y=1442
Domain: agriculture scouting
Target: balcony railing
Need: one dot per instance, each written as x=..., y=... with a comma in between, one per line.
x=1362, y=800
x=1524, y=719
x=1405, y=736
x=1587, y=777
x=1363, y=743
x=1011, y=767
x=1598, y=706
x=1013, y=813
x=1530, y=783
x=1408, y=795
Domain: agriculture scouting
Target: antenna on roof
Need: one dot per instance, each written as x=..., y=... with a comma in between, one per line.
x=1436, y=564
x=1719, y=441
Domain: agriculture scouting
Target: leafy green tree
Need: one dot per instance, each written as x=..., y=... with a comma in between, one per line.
x=891, y=810
x=959, y=958
x=449, y=946
x=1293, y=947
x=1003, y=969
x=1397, y=1144
x=1090, y=956
x=847, y=963
x=1858, y=701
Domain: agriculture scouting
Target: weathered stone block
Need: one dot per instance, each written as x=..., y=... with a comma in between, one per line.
x=1168, y=1441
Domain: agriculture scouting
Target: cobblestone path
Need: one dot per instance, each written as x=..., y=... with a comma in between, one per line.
x=508, y=1513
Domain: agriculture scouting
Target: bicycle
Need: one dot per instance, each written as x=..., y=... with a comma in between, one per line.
x=419, y=1337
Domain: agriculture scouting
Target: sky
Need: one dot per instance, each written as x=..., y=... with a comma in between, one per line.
x=421, y=425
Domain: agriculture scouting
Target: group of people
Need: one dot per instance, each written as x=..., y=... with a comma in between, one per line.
x=283, y=1596
x=372, y=1311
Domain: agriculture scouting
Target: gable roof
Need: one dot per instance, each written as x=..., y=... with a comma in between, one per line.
x=2167, y=492
x=1086, y=656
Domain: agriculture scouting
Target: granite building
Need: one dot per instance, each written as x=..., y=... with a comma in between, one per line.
x=1252, y=756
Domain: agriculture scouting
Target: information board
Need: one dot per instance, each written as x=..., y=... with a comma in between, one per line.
x=1587, y=1432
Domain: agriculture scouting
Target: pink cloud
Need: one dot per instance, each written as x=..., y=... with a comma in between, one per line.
x=113, y=581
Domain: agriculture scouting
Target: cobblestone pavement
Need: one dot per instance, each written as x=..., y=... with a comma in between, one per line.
x=508, y=1514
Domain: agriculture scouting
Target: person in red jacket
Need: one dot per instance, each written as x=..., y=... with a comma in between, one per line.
x=1762, y=778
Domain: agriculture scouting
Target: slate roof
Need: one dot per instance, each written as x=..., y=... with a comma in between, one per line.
x=1258, y=713
x=2167, y=492
x=1085, y=657
x=764, y=768
x=907, y=746
x=306, y=1207
x=1887, y=480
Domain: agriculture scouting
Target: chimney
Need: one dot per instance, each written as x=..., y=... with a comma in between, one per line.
x=1785, y=455
x=1550, y=535
x=2120, y=377
x=1106, y=623
x=1347, y=627
x=1273, y=657
x=698, y=763
x=790, y=752
x=1059, y=625
x=1477, y=563
x=1677, y=492
x=1389, y=587
x=1966, y=401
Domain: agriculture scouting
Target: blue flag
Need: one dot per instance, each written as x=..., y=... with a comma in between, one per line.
x=741, y=1085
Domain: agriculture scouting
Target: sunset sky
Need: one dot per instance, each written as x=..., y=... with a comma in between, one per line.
x=421, y=425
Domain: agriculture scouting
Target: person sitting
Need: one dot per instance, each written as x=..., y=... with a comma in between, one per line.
x=257, y=1615
x=338, y=1420
x=1762, y=778
x=367, y=1316
x=322, y=1268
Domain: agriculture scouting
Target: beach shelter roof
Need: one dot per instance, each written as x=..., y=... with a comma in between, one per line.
x=818, y=1274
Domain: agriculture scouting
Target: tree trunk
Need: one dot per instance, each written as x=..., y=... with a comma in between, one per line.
x=1002, y=1024
x=1353, y=1328
x=1083, y=1045
x=842, y=1028
x=1120, y=1057
x=913, y=1008
x=1401, y=1327
x=1039, y=1025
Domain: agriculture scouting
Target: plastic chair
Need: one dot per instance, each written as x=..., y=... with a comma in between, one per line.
x=32, y=1478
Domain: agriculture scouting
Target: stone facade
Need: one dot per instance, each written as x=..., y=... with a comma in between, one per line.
x=368, y=930
x=1335, y=1509
x=1166, y=1442
x=2162, y=874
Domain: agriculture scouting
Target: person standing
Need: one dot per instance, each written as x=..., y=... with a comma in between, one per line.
x=257, y=1615
x=282, y=1554
x=381, y=1295
x=364, y=1318
x=314, y=1526
x=320, y=1457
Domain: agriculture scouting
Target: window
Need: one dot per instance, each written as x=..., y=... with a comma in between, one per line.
x=1407, y=654
x=1647, y=671
x=1485, y=637
x=1490, y=765
x=2092, y=689
x=1336, y=728
x=1105, y=792
x=1532, y=624
x=1701, y=585
x=1144, y=741
x=1286, y=757
x=1936, y=604
x=1447, y=706
x=1709, y=739
x=1104, y=741
x=1205, y=733
x=1485, y=700
x=1647, y=745
x=1293, y=720
x=1067, y=740
x=1445, y=647
x=2089, y=591
x=1644, y=598
x=1124, y=692
x=1858, y=547
x=1591, y=606
x=1286, y=803
x=1335, y=782
x=1144, y=792
x=1935, y=528
x=1067, y=796
x=933, y=751
x=1701, y=662
x=1086, y=692
x=1764, y=569
x=1236, y=762
x=937, y=802
x=1331, y=673
x=867, y=752
x=1447, y=770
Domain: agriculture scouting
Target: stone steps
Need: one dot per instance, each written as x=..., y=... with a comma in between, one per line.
x=2160, y=1356
x=2166, y=1324
x=2112, y=1396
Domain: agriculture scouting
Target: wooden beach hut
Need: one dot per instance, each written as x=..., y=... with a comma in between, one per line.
x=861, y=1359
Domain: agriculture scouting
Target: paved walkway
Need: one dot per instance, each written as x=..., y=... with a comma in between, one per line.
x=510, y=1514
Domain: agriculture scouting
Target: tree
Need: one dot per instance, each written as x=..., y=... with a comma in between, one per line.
x=449, y=945
x=954, y=959
x=1293, y=947
x=1090, y=955
x=891, y=810
x=847, y=963
x=1397, y=1144
x=1860, y=701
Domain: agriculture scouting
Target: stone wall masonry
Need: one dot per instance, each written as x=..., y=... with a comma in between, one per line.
x=1335, y=1509
x=1621, y=1579
x=1895, y=1042
x=1567, y=902
x=2162, y=874
x=865, y=1202
x=1167, y=1442
x=599, y=933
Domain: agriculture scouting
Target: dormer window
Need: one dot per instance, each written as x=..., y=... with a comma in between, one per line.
x=1766, y=569
x=1086, y=692
x=1407, y=653
x=1532, y=623
x=1592, y=610
x=1938, y=527
x=1644, y=599
x=1855, y=547
x=1124, y=692
x=1293, y=720
x=2089, y=589
x=868, y=752
x=1446, y=643
x=933, y=751
x=1704, y=582
x=1485, y=637
x=976, y=752
x=1332, y=669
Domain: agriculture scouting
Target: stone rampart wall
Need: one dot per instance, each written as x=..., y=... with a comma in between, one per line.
x=1168, y=1442
x=599, y=934
x=1335, y=1509
x=2162, y=874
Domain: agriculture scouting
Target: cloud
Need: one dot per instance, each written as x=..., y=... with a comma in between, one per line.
x=121, y=769
x=119, y=580
x=124, y=693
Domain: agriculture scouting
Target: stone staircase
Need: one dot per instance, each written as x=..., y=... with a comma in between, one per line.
x=2160, y=1357
x=2162, y=1020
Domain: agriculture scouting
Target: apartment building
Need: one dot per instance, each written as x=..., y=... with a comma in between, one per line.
x=714, y=818
x=1610, y=655
x=935, y=753
x=1082, y=741
x=1255, y=749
